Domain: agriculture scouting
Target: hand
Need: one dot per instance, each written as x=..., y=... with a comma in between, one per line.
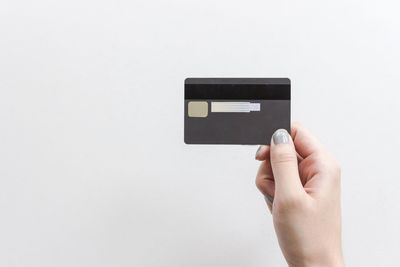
x=301, y=185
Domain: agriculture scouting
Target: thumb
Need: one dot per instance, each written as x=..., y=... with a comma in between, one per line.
x=284, y=166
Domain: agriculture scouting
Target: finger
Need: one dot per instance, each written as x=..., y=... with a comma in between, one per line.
x=284, y=165
x=269, y=202
x=265, y=180
x=304, y=141
x=262, y=153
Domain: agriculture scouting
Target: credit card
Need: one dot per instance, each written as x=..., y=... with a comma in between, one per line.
x=244, y=111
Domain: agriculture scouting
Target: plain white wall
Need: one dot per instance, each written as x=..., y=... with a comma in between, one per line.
x=93, y=168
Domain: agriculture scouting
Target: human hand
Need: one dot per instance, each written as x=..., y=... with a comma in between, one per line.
x=301, y=184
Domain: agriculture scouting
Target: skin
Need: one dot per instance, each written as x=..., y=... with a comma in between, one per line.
x=304, y=181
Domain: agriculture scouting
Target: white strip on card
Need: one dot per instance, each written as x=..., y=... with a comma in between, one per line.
x=234, y=107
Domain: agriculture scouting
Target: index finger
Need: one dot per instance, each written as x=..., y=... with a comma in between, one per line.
x=304, y=141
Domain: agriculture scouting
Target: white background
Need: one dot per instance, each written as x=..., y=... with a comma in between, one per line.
x=93, y=168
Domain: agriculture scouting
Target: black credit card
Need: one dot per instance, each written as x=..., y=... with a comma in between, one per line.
x=243, y=111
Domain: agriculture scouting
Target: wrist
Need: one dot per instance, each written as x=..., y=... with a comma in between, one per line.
x=332, y=260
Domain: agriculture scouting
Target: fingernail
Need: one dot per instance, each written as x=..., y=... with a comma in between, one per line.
x=269, y=198
x=258, y=150
x=281, y=136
